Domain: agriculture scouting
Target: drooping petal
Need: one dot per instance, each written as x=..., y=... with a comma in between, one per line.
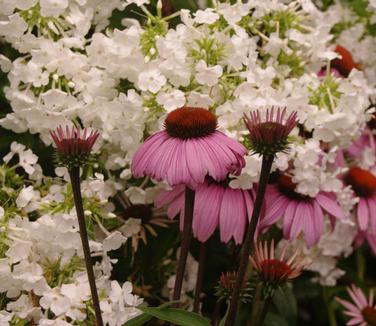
x=288, y=218
x=363, y=214
x=241, y=218
x=274, y=211
x=318, y=220
x=297, y=224
x=146, y=151
x=166, y=197
x=330, y=205
x=195, y=161
x=206, y=217
x=310, y=234
x=229, y=215
x=372, y=210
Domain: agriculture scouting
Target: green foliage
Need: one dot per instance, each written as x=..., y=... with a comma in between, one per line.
x=210, y=50
x=280, y=21
x=56, y=274
x=154, y=28
x=294, y=62
x=326, y=95
x=176, y=316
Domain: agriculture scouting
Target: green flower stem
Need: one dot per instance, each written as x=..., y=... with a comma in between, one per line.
x=186, y=241
x=76, y=187
x=267, y=161
x=260, y=306
x=200, y=277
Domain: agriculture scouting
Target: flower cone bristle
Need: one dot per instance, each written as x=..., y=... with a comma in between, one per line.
x=269, y=136
x=73, y=147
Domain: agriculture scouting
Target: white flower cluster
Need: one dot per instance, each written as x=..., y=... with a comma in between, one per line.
x=42, y=270
x=232, y=58
x=351, y=32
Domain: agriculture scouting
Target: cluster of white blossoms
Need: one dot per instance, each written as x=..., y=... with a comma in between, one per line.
x=42, y=271
x=231, y=59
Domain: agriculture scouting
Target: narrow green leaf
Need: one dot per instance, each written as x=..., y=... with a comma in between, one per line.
x=285, y=302
x=139, y=320
x=177, y=316
x=275, y=320
x=143, y=318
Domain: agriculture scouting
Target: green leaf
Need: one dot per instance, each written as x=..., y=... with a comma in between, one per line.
x=285, y=302
x=139, y=320
x=143, y=318
x=275, y=320
x=177, y=316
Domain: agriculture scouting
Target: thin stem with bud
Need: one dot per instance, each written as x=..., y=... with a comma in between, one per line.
x=267, y=161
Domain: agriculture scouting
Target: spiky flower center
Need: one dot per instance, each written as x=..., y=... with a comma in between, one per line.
x=361, y=181
x=369, y=315
x=287, y=187
x=73, y=146
x=190, y=122
x=275, y=270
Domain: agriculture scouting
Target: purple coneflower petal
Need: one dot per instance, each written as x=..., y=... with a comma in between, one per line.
x=372, y=209
x=167, y=197
x=229, y=217
x=241, y=217
x=206, y=216
x=248, y=203
x=142, y=158
x=318, y=218
x=289, y=218
x=363, y=214
x=301, y=213
x=275, y=211
x=310, y=233
x=330, y=205
x=195, y=162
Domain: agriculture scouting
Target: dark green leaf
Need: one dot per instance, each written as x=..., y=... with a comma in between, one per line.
x=139, y=320
x=275, y=320
x=285, y=302
x=177, y=316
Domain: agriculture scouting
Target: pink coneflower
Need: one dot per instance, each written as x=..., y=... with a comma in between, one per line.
x=216, y=205
x=363, y=183
x=361, y=310
x=189, y=149
x=299, y=212
x=275, y=270
x=269, y=136
x=74, y=145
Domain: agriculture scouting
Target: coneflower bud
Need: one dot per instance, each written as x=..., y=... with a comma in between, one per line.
x=226, y=286
x=73, y=147
x=269, y=136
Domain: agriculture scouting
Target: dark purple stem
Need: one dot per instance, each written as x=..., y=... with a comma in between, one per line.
x=76, y=187
x=185, y=243
x=267, y=162
x=200, y=277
